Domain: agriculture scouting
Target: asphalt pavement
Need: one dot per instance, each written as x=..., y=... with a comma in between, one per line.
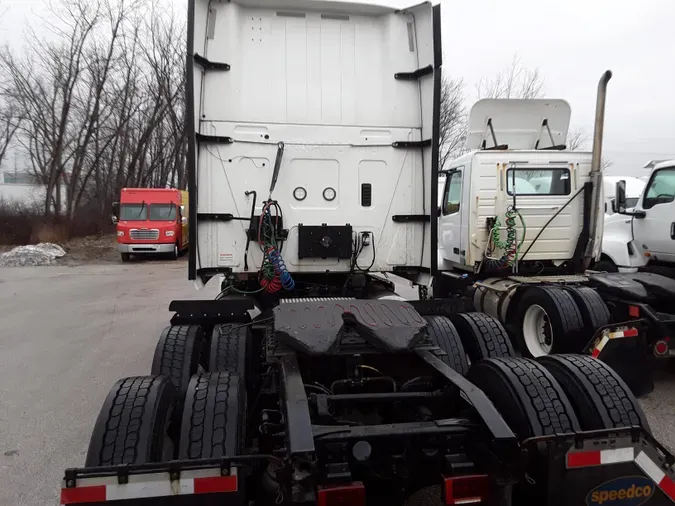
x=68, y=333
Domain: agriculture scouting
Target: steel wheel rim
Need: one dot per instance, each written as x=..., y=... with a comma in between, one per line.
x=537, y=331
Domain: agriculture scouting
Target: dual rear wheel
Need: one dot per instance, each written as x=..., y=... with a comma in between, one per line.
x=192, y=406
x=554, y=319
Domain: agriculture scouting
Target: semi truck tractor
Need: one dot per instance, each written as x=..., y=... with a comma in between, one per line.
x=519, y=226
x=313, y=169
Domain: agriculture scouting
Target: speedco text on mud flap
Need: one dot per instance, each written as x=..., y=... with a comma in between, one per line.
x=625, y=491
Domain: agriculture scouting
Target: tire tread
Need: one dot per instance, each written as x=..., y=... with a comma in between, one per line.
x=600, y=388
x=124, y=429
x=177, y=354
x=488, y=337
x=444, y=335
x=540, y=397
x=211, y=427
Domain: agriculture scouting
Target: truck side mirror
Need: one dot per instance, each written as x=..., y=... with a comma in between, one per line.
x=183, y=220
x=182, y=209
x=620, y=197
x=114, y=219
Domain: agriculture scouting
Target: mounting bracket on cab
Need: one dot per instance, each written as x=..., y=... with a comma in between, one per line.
x=207, y=64
x=411, y=144
x=414, y=76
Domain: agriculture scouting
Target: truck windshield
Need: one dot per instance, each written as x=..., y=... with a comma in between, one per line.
x=537, y=181
x=163, y=212
x=661, y=189
x=133, y=212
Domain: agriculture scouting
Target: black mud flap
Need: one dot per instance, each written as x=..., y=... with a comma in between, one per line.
x=606, y=468
x=209, y=313
x=624, y=348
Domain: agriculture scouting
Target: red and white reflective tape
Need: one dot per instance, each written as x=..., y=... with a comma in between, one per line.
x=600, y=457
x=96, y=490
x=632, y=332
x=580, y=459
x=659, y=477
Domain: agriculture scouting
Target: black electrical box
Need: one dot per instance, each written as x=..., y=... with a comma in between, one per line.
x=325, y=241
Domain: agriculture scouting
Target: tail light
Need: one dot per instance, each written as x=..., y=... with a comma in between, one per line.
x=472, y=489
x=347, y=494
x=631, y=332
x=661, y=347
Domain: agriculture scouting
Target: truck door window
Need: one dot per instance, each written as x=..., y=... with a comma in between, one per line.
x=163, y=212
x=661, y=188
x=453, y=192
x=536, y=181
x=133, y=212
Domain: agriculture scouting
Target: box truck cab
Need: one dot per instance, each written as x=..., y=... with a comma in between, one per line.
x=152, y=220
x=642, y=232
x=653, y=218
x=618, y=254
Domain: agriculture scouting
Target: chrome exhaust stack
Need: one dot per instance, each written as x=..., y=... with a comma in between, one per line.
x=596, y=165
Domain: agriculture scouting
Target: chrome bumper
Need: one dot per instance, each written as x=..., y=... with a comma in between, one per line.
x=145, y=248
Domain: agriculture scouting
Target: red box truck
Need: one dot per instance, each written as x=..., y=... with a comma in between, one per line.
x=152, y=220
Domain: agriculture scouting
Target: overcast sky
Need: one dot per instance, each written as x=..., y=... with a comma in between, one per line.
x=572, y=43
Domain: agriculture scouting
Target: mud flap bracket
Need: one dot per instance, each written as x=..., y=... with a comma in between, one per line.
x=623, y=347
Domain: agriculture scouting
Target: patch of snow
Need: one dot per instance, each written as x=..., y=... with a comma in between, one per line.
x=32, y=255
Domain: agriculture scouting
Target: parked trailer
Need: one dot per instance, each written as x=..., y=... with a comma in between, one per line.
x=308, y=380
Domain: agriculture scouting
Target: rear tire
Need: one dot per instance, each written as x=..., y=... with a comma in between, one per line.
x=594, y=312
x=601, y=399
x=532, y=404
x=125, y=257
x=526, y=394
x=229, y=348
x=213, y=418
x=549, y=322
x=444, y=335
x=134, y=424
x=482, y=336
x=177, y=354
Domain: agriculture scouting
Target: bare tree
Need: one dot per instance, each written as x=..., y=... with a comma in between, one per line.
x=10, y=120
x=101, y=101
x=577, y=139
x=514, y=81
x=452, y=134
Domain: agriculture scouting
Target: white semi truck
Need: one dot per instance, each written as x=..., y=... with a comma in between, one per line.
x=313, y=135
x=521, y=222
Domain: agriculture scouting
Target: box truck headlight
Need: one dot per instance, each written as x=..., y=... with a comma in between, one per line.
x=120, y=233
x=169, y=233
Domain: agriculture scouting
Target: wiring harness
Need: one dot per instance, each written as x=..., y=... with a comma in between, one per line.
x=510, y=246
x=274, y=275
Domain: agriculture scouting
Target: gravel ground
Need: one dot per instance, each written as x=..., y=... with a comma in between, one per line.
x=69, y=333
